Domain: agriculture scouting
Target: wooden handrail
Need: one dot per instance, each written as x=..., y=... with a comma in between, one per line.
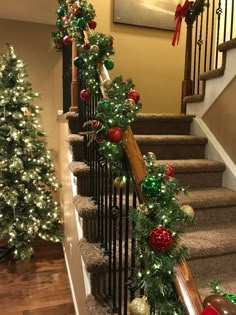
x=184, y=283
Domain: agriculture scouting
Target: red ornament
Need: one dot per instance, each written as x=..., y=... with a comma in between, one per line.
x=65, y=19
x=59, y=45
x=95, y=124
x=111, y=43
x=134, y=95
x=115, y=134
x=84, y=95
x=160, y=239
x=85, y=46
x=92, y=24
x=74, y=10
x=169, y=171
x=66, y=40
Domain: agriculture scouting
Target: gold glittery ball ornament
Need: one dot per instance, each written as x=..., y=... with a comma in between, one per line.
x=143, y=208
x=139, y=306
x=107, y=84
x=188, y=210
x=152, y=155
x=94, y=49
x=129, y=104
x=120, y=182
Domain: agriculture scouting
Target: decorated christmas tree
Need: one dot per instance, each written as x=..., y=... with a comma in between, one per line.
x=27, y=179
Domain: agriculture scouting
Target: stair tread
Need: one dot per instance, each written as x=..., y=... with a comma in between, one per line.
x=73, y=137
x=193, y=165
x=85, y=206
x=218, y=240
x=178, y=117
x=209, y=197
x=171, y=139
x=78, y=167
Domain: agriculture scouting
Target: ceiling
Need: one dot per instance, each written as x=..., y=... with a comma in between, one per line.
x=38, y=11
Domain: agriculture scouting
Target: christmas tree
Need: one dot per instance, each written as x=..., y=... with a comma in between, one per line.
x=27, y=179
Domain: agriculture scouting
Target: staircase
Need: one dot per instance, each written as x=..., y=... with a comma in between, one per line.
x=211, y=241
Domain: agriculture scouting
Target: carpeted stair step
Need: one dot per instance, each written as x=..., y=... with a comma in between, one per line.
x=172, y=146
x=82, y=179
x=197, y=173
x=216, y=241
x=212, y=206
x=162, y=124
x=76, y=146
x=220, y=268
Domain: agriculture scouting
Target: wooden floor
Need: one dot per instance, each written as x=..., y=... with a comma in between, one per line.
x=36, y=287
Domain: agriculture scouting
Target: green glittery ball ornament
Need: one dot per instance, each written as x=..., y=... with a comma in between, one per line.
x=54, y=34
x=150, y=186
x=59, y=23
x=60, y=11
x=78, y=62
x=109, y=64
x=81, y=23
x=104, y=106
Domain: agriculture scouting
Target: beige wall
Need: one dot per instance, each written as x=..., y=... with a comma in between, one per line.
x=33, y=44
x=146, y=56
x=221, y=118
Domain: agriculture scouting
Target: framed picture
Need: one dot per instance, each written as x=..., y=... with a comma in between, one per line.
x=150, y=13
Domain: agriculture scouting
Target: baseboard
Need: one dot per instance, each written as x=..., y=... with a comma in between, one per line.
x=215, y=151
x=71, y=283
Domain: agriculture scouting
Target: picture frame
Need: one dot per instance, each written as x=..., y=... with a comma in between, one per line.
x=148, y=13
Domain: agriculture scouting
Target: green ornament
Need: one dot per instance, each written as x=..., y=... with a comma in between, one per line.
x=78, y=62
x=109, y=64
x=150, y=186
x=104, y=106
x=54, y=34
x=81, y=23
x=60, y=11
x=59, y=23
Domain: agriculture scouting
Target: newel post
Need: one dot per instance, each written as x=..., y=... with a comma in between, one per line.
x=187, y=84
x=74, y=85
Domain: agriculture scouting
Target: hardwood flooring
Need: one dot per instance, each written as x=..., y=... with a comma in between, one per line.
x=39, y=286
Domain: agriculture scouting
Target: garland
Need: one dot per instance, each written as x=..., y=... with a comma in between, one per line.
x=115, y=114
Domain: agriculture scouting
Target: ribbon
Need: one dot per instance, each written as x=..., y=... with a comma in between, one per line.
x=180, y=12
x=231, y=297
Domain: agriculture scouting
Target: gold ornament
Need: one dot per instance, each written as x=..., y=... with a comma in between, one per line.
x=120, y=182
x=94, y=49
x=188, y=210
x=152, y=155
x=139, y=306
x=129, y=104
x=143, y=208
x=107, y=84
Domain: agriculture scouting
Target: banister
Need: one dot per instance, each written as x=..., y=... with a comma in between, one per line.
x=74, y=89
x=184, y=283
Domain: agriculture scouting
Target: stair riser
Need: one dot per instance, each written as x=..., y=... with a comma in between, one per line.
x=77, y=150
x=83, y=184
x=174, y=151
x=200, y=180
x=154, y=127
x=73, y=124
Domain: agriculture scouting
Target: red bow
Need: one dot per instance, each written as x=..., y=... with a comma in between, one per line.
x=180, y=12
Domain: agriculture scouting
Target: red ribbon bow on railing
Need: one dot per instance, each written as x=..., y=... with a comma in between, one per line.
x=180, y=12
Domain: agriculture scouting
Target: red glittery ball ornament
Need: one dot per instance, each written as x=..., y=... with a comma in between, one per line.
x=95, y=124
x=66, y=40
x=65, y=19
x=115, y=134
x=92, y=24
x=169, y=171
x=59, y=45
x=134, y=95
x=160, y=239
x=84, y=95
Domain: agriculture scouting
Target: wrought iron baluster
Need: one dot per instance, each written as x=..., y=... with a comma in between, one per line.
x=232, y=20
x=120, y=271
x=115, y=216
x=199, y=43
x=66, y=77
x=133, y=254
x=195, y=79
x=225, y=21
x=212, y=33
x=206, y=36
x=218, y=12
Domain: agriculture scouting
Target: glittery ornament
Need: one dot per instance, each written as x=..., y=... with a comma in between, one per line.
x=115, y=135
x=54, y=34
x=67, y=40
x=143, y=208
x=85, y=46
x=84, y=95
x=160, y=239
x=152, y=155
x=59, y=45
x=107, y=84
x=188, y=210
x=94, y=49
x=60, y=11
x=169, y=171
x=150, y=186
x=109, y=64
x=104, y=106
x=81, y=23
x=65, y=19
x=139, y=306
x=134, y=95
x=92, y=24
x=59, y=23
x=78, y=62
x=120, y=182
x=129, y=104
